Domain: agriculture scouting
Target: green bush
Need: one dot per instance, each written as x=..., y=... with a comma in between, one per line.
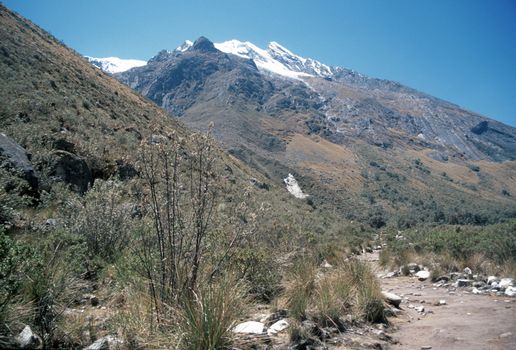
x=15, y=259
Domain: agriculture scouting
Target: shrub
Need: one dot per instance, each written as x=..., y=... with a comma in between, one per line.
x=102, y=219
x=14, y=261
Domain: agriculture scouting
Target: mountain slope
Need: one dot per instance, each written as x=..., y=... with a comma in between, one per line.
x=353, y=142
x=77, y=123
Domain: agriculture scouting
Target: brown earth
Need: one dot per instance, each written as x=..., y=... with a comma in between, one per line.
x=467, y=321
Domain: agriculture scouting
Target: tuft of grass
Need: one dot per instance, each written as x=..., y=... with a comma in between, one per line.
x=332, y=297
x=301, y=287
x=368, y=300
x=208, y=316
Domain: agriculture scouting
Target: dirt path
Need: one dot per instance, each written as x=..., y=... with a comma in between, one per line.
x=467, y=321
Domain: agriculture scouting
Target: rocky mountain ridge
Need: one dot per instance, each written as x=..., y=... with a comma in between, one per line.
x=282, y=114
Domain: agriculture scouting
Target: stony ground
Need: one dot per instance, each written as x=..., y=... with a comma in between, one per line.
x=466, y=321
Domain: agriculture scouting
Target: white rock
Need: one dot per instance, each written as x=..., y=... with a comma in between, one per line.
x=28, y=339
x=277, y=327
x=420, y=309
x=423, y=275
x=250, y=327
x=492, y=279
x=442, y=302
x=475, y=291
x=325, y=264
x=506, y=282
x=392, y=298
x=293, y=187
x=468, y=271
x=510, y=291
x=104, y=343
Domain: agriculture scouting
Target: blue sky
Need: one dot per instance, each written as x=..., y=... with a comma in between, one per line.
x=463, y=51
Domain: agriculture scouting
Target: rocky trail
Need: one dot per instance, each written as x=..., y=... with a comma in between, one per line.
x=437, y=316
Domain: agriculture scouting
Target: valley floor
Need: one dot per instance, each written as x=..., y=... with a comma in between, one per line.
x=466, y=321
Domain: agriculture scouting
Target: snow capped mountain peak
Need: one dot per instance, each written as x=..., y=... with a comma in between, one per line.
x=276, y=59
x=262, y=58
x=275, y=49
x=184, y=46
x=114, y=64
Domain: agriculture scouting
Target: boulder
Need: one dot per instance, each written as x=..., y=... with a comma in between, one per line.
x=72, y=169
x=28, y=339
x=14, y=157
x=278, y=327
x=392, y=299
x=250, y=327
x=423, y=275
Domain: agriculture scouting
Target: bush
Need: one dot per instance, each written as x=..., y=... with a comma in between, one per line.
x=102, y=219
x=14, y=261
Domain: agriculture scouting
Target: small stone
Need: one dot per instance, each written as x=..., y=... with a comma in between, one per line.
x=51, y=222
x=423, y=275
x=106, y=343
x=250, y=327
x=326, y=265
x=510, y=291
x=29, y=340
x=506, y=282
x=463, y=283
x=420, y=309
x=442, y=302
x=475, y=291
x=492, y=279
x=505, y=335
x=467, y=271
x=392, y=298
x=426, y=347
x=278, y=327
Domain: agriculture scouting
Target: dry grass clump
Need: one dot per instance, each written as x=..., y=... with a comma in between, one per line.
x=206, y=319
x=301, y=287
x=349, y=288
